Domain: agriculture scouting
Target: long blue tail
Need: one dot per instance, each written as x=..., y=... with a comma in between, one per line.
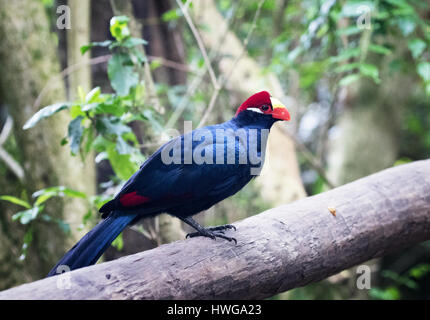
x=89, y=249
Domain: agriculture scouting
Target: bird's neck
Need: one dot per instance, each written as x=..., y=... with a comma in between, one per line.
x=253, y=120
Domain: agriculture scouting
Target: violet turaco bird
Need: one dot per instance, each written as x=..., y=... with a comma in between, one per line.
x=185, y=176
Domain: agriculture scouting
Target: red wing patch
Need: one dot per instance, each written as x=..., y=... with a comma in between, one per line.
x=132, y=199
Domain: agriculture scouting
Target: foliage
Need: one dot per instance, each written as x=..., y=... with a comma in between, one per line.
x=409, y=281
x=34, y=211
x=317, y=47
x=100, y=122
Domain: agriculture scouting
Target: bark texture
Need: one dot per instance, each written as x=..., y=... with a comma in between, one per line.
x=277, y=250
x=77, y=36
x=28, y=60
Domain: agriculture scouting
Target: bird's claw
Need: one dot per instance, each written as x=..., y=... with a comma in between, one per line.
x=222, y=228
x=214, y=232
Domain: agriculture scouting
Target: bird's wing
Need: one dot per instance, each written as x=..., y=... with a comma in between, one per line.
x=158, y=186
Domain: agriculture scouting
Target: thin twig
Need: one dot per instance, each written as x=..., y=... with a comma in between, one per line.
x=225, y=80
x=199, y=42
x=247, y=39
x=135, y=27
x=185, y=99
x=7, y=128
x=13, y=165
x=172, y=64
x=102, y=59
x=67, y=71
x=197, y=80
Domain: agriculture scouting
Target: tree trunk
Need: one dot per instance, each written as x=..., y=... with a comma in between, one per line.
x=368, y=131
x=169, y=228
x=28, y=57
x=280, y=249
x=164, y=40
x=77, y=36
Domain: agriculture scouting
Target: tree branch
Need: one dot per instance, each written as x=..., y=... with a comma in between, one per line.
x=202, y=48
x=280, y=249
x=222, y=82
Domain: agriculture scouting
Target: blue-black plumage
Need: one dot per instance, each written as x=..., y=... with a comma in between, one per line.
x=185, y=176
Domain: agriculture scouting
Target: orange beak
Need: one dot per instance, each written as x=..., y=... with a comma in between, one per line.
x=279, y=110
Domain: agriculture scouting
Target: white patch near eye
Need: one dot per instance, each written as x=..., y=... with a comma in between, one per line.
x=255, y=110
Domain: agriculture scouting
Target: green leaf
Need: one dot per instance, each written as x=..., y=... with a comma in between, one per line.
x=406, y=25
x=28, y=238
x=59, y=191
x=121, y=74
x=347, y=67
x=111, y=107
x=121, y=163
x=123, y=147
x=171, y=15
x=423, y=70
x=45, y=194
x=87, y=217
x=45, y=197
x=99, y=200
x=156, y=125
x=379, y=49
x=75, y=131
x=27, y=215
x=90, y=106
x=138, y=55
x=132, y=42
x=417, y=47
x=391, y=293
x=155, y=64
x=401, y=161
x=87, y=47
x=347, y=80
x=93, y=95
x=118, y=243
x=420, y=270
x=88, y=139
x=17, y=201
x=348, y=31
x=428, y=89
x=45, y=113
x=346, y=54
x=76, y=111
x=119, y=27
x=111, y=126
x=81, y=94
x=371, y=71
x=100, y=143
x=73, y=193
x=351, y=9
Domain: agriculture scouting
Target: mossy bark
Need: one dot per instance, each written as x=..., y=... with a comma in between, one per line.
x=28, y=60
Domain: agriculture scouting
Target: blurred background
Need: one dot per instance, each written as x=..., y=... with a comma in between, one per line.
x=121, y=76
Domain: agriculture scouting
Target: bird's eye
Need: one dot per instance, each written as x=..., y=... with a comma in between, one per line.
x=264, y=107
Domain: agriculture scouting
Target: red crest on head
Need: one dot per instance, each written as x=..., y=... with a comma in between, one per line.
x=256, y=100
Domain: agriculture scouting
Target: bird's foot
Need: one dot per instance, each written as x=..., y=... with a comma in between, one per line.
x=214, y=232
x=222, y=228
